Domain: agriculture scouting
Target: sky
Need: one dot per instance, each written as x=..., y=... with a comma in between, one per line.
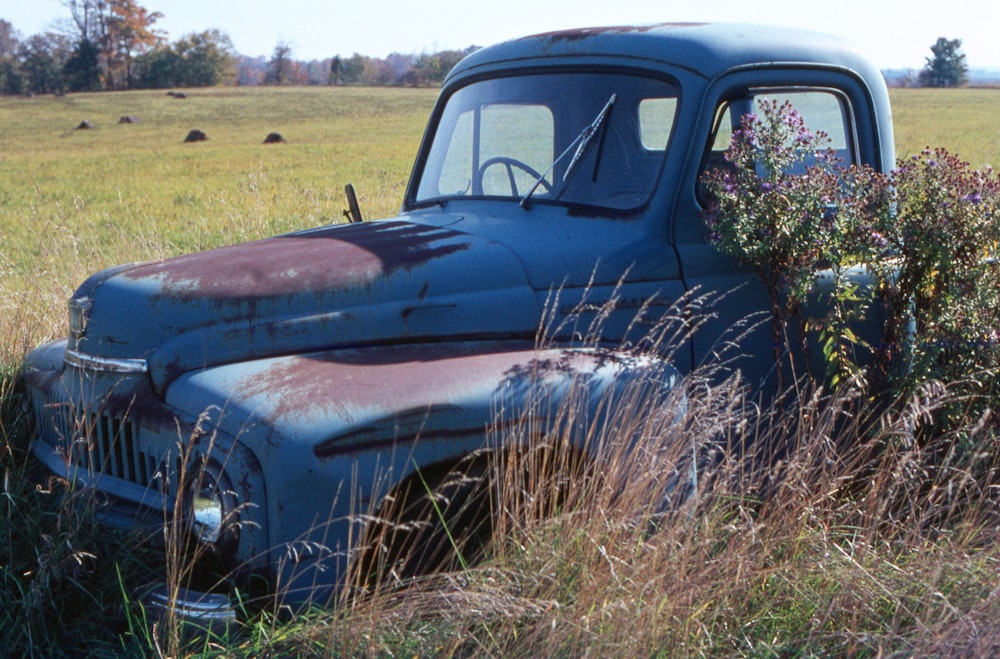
x=892, y=33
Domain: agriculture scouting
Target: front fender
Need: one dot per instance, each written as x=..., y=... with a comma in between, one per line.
x=336, y=430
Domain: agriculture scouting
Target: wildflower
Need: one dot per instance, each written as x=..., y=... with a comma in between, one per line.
x=878, y=239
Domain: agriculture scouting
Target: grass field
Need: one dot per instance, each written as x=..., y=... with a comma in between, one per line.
x=960, y=120
x=806, y=571
x=142, y=176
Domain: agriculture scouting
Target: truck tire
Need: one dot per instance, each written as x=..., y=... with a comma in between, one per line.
x=445, y=518
x=438, y=519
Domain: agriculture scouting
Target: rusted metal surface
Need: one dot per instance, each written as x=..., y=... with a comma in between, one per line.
x=333, y=257
x=345, y=285
x=352, y=380
x=333, y=399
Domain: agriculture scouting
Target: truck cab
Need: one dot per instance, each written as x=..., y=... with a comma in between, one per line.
x=601, y=137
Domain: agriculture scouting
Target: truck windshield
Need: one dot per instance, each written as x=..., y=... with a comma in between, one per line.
x=580, y=139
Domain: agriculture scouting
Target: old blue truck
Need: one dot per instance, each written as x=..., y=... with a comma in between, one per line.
x=267, y=398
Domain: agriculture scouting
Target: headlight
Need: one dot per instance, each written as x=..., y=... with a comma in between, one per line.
x=207, y=515
x=212, y=511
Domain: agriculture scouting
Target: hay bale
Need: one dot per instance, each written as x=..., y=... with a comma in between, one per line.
x=85, y=125
x=128, y=119
x=274, y=138
x=196, y=136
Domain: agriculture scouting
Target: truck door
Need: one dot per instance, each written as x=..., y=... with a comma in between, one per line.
x=740, y=329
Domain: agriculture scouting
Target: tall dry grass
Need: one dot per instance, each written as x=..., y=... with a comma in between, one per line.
x=708, y=525
x=818, y=530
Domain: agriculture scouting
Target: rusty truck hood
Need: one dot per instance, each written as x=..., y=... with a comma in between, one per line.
x=346, y=285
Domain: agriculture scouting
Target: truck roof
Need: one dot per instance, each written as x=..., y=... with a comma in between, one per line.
x=705, y=48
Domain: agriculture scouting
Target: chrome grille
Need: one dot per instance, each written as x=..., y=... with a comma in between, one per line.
x=99, y=443
x=114, y=450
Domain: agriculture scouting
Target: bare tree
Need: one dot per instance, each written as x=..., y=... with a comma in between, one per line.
x=86, y=18
x=120, y=28
x=9, y=39
x=280, y=68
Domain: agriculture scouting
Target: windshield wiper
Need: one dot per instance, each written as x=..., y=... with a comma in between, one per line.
x=581, y=142
x=588, y=135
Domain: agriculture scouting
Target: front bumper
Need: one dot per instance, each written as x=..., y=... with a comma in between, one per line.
x=195, y=612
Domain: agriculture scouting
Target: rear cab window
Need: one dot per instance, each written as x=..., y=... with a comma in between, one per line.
x=824, y=110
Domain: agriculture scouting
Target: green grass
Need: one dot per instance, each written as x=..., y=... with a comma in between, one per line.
x=960, y=120
x=823, y=563
x=142, y=177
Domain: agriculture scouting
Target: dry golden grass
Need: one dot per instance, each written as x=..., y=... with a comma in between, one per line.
x=820, y=533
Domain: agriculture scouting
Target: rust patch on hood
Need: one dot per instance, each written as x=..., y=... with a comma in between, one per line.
x=337, y=256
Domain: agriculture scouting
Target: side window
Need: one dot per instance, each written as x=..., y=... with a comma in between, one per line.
x=826, y=111
x=823, y=110
x=656, y=119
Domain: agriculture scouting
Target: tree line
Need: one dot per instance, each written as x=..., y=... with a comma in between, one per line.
x=397, y=69
x=115, y=45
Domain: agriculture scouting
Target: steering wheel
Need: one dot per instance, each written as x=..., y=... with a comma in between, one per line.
x=511, y=164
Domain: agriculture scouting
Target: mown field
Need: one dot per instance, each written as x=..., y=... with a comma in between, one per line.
x=803, y=573
x=142, y=178
x=960, y=120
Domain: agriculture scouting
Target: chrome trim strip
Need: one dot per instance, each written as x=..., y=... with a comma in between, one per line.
x=111, y=365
